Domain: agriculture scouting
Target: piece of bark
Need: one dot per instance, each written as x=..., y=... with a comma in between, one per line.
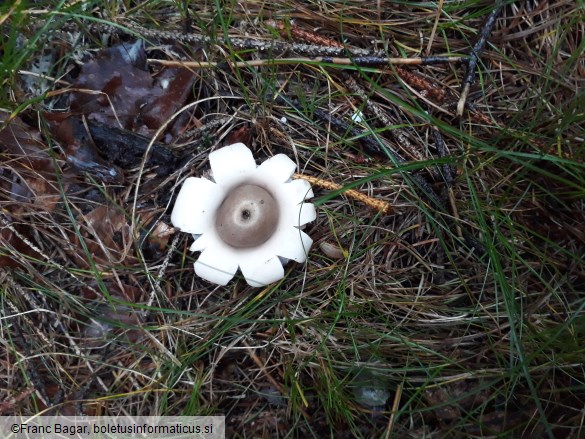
x=127, y=149
x=81, y=152
x=100, y=149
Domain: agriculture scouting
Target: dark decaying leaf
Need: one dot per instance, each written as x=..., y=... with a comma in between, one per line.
x=27, y=182
x=24, y=143
x=12, y=247
x=158, y=239
x=118, y=98
x=115, y=88
x=243, y=134
x=171, y=89
x=107, y=221
x=120, y=75
x=456, y=399
x=112, y=321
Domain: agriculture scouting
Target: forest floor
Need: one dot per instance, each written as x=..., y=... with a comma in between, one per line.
x=457, y=312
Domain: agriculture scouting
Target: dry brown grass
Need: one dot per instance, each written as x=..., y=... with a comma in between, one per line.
x=471, y=311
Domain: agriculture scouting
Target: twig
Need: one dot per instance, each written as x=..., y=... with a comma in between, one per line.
x=448, y=177
x=443, y=152
x=474, y=56
x=126, y=148
x=157, y=281
x=238, y=43
x=381, y=206
x=394, y=409
x=400, y=135
x=362, y=61
x=196, y=133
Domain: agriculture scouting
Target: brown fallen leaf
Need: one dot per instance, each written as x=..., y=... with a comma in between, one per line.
x=243, y=134
x=170, y=91
x=107, y=237
x=112, y=321
x=116, y=88
x=25, y=158
x=159, y=237
x=23, y=141
x=124, y=84
x=106, y=221
x=9, y=406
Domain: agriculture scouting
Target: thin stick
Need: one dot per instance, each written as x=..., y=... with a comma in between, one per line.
x=363, y=61
x=381, y=206
x=316, y=52
x=443, y=152
x=400, y=135
x=474, y=56
x=238, y=43
x=397, y=397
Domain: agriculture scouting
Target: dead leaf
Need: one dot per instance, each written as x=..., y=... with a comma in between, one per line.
x=160, y=235
x=28, y=164
x=107, y=236
x=112, y=321
x=10, y=240
x=24, y=143
x=453, y=399
x=242, y=134
x=124, y=84
x=105, y=222
x=171, y=89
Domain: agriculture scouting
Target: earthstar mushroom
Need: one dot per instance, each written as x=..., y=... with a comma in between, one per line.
x=249, y=217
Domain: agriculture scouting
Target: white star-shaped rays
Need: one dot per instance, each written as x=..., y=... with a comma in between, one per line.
x=199, y=200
